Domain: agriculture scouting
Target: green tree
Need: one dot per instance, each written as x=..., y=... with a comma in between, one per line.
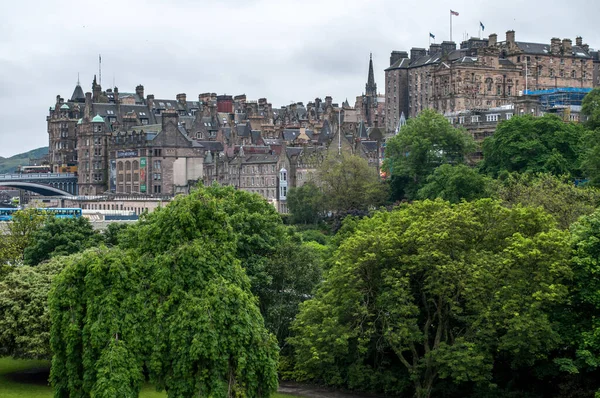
x=349, y=183
x=558, y=196
x=19, y=235
x=455, y=183
x=24, y=314
x=305, y=204
x=442, y=289
x=590, y=158
x=534, y=144
x=590, y=108
x=59, y=237
x=425, y=143
x=172, y=298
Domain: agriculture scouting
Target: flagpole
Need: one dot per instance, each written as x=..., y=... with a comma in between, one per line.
x=450, y=25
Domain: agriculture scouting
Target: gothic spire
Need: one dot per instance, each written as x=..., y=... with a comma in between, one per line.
x=371, y=87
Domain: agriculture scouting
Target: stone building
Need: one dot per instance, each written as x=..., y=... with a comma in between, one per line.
x=482, y=74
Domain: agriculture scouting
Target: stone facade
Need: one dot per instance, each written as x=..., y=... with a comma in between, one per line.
x=483, y=74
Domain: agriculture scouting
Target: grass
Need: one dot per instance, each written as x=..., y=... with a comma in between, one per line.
x=28, y=379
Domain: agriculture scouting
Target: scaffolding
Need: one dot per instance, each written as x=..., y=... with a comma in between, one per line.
x=559, y=98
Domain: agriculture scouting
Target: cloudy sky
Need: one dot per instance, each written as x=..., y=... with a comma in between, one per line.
x=283, y=50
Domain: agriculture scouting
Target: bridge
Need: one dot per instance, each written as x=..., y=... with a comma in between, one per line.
x=45, y=184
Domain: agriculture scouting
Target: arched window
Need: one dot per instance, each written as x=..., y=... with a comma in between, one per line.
x=128, y=165
x=120, y=166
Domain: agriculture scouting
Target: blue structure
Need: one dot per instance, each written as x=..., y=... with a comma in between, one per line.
x=559, y=97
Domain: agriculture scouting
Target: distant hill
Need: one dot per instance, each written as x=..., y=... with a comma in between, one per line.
x=9, y=165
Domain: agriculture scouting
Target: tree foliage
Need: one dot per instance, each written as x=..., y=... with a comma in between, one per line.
x=24, y=314
x=305, y=204
x=349, y=183
x=438, y=289
x=558, y=195
x=534, y=144
x=455, y=183
x=590, y=108
x=425, y=143
x=19, y=235
x=59, y=237
x=172, y=300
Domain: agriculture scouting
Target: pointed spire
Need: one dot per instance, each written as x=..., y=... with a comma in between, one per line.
x=371, y=87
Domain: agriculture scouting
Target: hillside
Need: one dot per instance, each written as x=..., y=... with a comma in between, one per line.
x=9, y=165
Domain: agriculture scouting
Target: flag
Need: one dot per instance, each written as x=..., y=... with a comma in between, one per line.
x=432, y=35
x=482, y=27
x=453, y=13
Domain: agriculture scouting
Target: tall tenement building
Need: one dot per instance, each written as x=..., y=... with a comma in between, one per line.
x=483, y=73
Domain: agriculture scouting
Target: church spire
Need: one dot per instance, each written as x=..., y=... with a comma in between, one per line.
x=371, y=87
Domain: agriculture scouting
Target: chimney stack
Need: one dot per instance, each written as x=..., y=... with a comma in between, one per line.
x=88, y=107
x=150, y=101
x=567, y=46
x=510, y=37
x=139, y=90
x=555, y=45
x=448, y=47
x=416, y=53
x=493, y=39
x=396, y=56
x=579, y=41
x=434, y=48
x=181, y=98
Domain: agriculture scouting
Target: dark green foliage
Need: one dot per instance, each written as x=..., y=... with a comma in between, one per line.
x=24, y=315
x=433, y=291
x=350, y=183
x=60, y=237
x=173, y=299
x=305, y=204
x=558, y=195
x=590, y=108
x=112, y=232
x=534, y=144
x=455, y=183
x=425, y=143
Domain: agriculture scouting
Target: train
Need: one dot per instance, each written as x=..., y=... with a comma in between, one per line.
x=63, y=168
x=6, y=214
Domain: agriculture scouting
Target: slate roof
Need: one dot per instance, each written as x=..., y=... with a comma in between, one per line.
x=214, y=146
x=402, y=63
x=369, y=146
x=78, y=95
x=290, y=134
x=243, y=130
x=293, y=151
x=544, y=49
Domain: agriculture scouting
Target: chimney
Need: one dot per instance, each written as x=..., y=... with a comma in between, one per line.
x=567, y=46
x=416, y=53
x=181, y=98
x=493, y=39
x=510, y=37
x=448, y=47
x=139, y=90
x=328, y=101
x=555, y=45
x=88, y=106
x=586, y=47
x=118, y=102
x=396, y=56
x=150, y=101
x=435, y=48
x=579, y=41
x=169, y=116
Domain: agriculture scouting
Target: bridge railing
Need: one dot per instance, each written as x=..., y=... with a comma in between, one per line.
x=36, y=176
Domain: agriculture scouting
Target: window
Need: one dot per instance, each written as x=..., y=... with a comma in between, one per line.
x=498, y=90
x=551, y=72
x=562, y=61
x=508, y=116
x=156, y=176
x=461, y=120
x=157, y=165
x=509, y=90
x=157, y=152
x=573, y=74
x=491, y=118
x=157, y=189
x=562, y=73
x=475, y=119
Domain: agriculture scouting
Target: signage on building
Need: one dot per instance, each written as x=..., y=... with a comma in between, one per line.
x=113, y=175
x=130, y=153
x=142, y=175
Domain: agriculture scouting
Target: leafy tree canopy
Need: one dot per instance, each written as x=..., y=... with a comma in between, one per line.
x=425, y=143
x=24, y=314
x=349, y=183
x=455, y=183
x=20, y=235
x=439, y=290
x=305, y=204
x=558, y=196
x=59, y=237
x=590, y=107
x=534, y=144
x=172, y=300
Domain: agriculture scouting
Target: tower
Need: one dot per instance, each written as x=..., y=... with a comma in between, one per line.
x=369, y=99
